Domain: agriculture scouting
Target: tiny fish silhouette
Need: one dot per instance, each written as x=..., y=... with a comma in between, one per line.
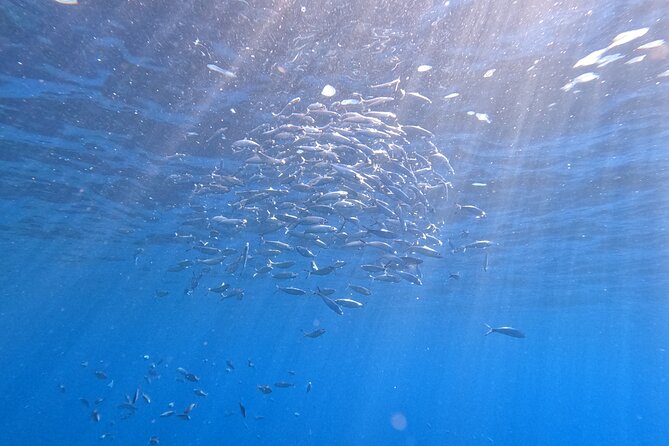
x=509, y=331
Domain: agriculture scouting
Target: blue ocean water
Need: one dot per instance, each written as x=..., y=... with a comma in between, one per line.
x=113, y=130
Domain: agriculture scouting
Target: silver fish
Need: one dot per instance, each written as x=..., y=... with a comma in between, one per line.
x=360, y=289
x=348, y=303
x=264, y=389
x=286, y=264
x=314, y=334
x=305, y=252
x=373, y=268
x=292, y=290
x=283, y=275
x=476, y=211
x=409, y=277
x=480, y=244
x=332, y=305
x=509, y=331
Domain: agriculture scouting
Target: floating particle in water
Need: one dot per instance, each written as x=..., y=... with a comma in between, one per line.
x=480, y=116
x=328, y=91
x=490, y=72
x=398, y=421
x=423, y=68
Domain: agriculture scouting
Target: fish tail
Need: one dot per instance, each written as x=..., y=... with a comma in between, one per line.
x=490, y=329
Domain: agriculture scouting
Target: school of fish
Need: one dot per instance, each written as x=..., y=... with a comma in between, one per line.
x=292, y=201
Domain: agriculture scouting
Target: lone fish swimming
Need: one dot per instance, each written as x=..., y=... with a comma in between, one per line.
x=509, y=331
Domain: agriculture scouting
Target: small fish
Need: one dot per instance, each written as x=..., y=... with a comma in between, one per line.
x=348, y=303
x=284, y=275
x=244, y=257
x=262, y=270
x=373, y=268
x=221, y=288
x=480, y=244
x=426, y=251
x=332, y=305
x=99, y=374
x=167, y=413
x=191, y=377
x=283, y=384
x=509, y=331
x=279, y=245
x=200, y=392
x=320, y=271
x=385, y=277
x=242, y=409
x=154, y=439
x=286, y=264
x=314, y=334
x=235, y=292
x=289, y=104
x=95, y=416
x=227, y=73
x=309, y=387
x=474, y=210
x=230, y=365
x=304, y=252
x=292, y=290
x=409, y=277
x=360, y=289
x=324, y=291
x=264, y=389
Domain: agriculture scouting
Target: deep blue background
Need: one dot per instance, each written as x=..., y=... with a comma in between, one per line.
x=94, y=98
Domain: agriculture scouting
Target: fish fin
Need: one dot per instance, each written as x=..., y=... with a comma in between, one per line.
x=490, y=329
